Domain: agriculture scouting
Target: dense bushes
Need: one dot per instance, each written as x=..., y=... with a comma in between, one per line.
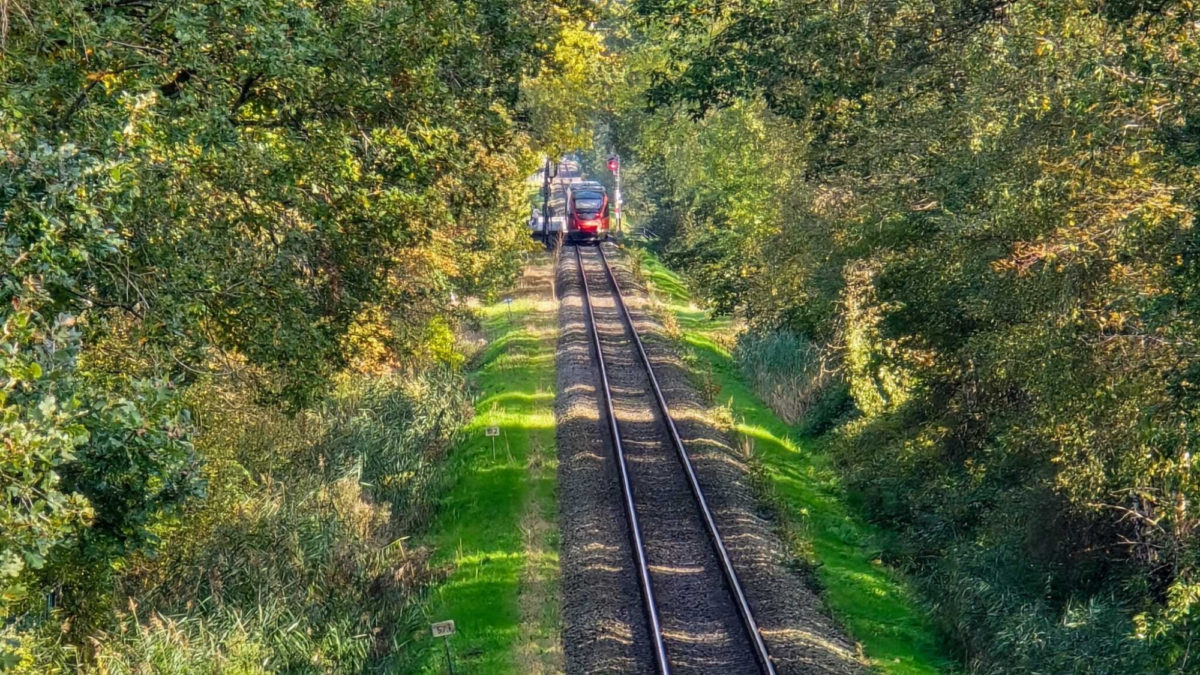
x=984, y=213
x=795, y=377
x=298, y=560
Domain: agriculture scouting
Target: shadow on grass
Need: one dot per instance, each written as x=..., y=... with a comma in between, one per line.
x=872, y=601
x=477, y=538
x=516, y=343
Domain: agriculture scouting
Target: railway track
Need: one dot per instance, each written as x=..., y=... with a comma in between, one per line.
x=685, y=600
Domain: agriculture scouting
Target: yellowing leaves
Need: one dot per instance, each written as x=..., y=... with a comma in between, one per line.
x=108, y=79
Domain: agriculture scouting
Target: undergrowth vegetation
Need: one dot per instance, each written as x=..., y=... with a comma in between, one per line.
x=299, y=558
x=794, y=376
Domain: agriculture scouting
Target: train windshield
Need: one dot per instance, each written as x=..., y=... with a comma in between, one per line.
x=589, y=202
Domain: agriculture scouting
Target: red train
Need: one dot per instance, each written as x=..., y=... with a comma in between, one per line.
x=587, y=212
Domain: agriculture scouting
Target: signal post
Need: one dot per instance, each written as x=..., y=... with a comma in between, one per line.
x=614, y=165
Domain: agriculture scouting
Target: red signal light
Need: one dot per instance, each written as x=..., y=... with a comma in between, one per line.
x=612, y=164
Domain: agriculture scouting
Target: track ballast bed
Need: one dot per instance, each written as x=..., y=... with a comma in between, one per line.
x=644, y=574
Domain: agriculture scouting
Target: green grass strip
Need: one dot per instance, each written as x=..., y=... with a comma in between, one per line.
x=871, y=601
x=497, y=529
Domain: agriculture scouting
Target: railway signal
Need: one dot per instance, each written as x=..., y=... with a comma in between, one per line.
x=614, y=165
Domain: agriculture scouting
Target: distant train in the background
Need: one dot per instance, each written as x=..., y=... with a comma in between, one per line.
x=569, y=206
x=587, y=211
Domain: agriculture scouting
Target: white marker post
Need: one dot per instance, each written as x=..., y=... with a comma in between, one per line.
x=508, y=304
x=492, y=433
x=444, y=629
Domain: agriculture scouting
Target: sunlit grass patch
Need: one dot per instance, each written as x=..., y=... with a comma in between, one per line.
x=702, y=341
x=872, y=602
x=496, y=531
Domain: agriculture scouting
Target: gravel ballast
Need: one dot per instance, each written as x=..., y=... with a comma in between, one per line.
x=604, y=627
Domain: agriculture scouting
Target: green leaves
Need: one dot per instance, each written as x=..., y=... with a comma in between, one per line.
x=256, y=191
x=985, y=212
x=39, y=434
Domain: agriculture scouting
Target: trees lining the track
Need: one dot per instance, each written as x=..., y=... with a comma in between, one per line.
x=254, y=191
x=982, y=214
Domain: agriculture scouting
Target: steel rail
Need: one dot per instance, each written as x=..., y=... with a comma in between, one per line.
x=635, y=529
x=731, y=577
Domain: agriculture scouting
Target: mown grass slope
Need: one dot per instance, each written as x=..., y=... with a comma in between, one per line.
x=496, y=532
x=797, y=482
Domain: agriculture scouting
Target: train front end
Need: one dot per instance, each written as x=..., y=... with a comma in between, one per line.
x=588, y=218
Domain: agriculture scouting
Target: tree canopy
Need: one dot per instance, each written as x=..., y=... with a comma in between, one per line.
x=984, y=211
x=268, y=192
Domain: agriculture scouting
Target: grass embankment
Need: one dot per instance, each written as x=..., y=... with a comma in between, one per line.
x=496, y=531
x=871, y=601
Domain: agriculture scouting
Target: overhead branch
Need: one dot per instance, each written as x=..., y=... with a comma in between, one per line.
x=247, y=89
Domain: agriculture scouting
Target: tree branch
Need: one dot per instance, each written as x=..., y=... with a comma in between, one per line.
x=77, y=103
x=244, y=95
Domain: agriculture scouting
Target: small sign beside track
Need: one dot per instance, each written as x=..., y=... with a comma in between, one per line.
x=493, y=431
x=444, y=629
